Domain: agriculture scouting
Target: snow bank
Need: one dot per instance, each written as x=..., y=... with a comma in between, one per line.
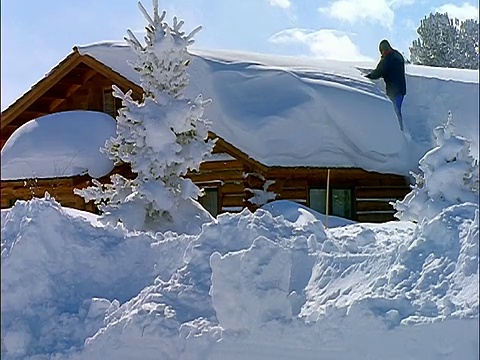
x=248, y=286
x=300, y=214
x=58, y=270
x=324, y=113
x=59, y=145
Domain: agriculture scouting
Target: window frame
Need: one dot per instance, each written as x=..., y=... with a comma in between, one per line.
x=211, y=189
x=351, y=189
x=117, y=104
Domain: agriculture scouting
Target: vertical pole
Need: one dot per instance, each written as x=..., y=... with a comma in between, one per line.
x=327, y=202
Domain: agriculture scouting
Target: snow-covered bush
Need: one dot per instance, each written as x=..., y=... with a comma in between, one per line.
x=161, y=137
x=446, y=42
x=449, y=177
x=262, y=196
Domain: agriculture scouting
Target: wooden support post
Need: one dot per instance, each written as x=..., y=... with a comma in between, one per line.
x=327, y=202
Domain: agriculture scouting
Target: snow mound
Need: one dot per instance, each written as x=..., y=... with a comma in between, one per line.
x=248, y=286
x=58, y=272
x=59, y=145
x=301, y=214
x=427, y=274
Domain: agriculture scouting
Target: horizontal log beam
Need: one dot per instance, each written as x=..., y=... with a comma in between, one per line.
x=375, y=218
x=232, y=200
x=382, y=192
x=221, y=165
x=340, y=175
x=232, y=188
x=85, y=76
x=9, y=129
x=363, y=206
x=227, y=175
x=292, y=194
x=54, y=96
x=39, y=106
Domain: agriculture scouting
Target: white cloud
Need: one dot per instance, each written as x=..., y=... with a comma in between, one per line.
x=375, y=11
x=324, y=43
x=284, y=4
x=466, y=11
x=398, y=3
x=410, y=25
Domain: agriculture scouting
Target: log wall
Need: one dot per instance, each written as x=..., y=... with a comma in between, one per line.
x=60, y=188
x=228, y=178
x=371, y=192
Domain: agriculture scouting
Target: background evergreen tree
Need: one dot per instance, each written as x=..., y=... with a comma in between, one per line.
x=445, y=42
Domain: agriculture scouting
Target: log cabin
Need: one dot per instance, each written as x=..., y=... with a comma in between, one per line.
x=83, y=81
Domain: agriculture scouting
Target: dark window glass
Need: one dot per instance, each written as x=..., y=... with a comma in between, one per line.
x=317, y=200
x=340, y=203
x=210, y=200
x=109, y=103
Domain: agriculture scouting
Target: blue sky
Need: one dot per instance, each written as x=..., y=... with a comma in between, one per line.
x=36, y=35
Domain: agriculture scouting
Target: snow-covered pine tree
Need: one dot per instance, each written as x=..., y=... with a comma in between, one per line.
x=449, y=177
x=162, y=137
x=445, y=42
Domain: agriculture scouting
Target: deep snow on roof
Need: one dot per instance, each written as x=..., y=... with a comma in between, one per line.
x=59, y=145
x=297, y=111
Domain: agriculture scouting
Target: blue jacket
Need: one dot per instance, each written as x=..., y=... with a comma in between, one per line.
x=392, y=69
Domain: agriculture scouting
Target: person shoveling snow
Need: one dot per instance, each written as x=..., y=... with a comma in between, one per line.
x=392, y=69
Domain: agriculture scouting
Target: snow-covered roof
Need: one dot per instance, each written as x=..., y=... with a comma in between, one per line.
x=59, y=145
x=296, y=111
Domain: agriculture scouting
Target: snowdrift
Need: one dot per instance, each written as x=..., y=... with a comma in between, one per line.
x=300, y=214
x=252, y=286
x=291, y=111
x=59, y=145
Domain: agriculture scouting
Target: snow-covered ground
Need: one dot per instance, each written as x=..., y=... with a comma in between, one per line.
x=249, y=286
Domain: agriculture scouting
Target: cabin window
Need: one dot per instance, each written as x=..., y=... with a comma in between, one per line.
x=317, y=200
x=111, y=104
x=210, y=200
x=340, y=202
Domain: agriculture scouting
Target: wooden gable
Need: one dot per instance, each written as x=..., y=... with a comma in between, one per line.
x=76, y=83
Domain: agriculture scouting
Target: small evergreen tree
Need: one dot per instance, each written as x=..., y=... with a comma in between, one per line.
x=450, y=177
x=162, y=137
x=445, y=42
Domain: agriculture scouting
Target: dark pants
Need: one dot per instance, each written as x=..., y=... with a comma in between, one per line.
x=397, y=101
